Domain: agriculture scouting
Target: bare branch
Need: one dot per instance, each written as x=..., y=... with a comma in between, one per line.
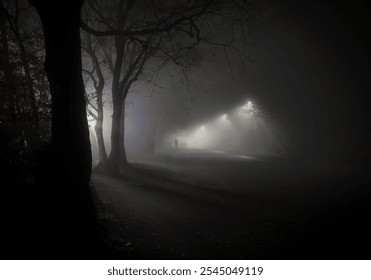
x=158, y=29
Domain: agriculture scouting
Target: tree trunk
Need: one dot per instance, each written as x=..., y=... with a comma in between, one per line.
x=70, y=134
x=99, y=86
x=31, y=93
x=123, y=160
x=67, y=212
x=117, y=159
x=8, y=73
x=113, y=162
x=99, y=124
x=100, y=141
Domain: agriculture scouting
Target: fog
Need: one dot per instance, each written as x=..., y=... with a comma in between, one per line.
x=242, y=131
x=262, y=153
x=306, y=76
x=185, y=129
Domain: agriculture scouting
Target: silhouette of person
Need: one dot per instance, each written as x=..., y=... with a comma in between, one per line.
x=176, y=143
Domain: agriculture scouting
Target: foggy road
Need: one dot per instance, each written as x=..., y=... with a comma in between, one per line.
x=215, y=206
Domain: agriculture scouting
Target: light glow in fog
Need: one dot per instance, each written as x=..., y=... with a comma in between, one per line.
x=242, y=130
x=224, y=117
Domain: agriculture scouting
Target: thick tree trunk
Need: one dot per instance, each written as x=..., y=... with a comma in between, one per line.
x=70, y=134
x=117, y=159
x=113, y=162
x=100, y=141
x=99, y=123
x=123, y=160
x=67, y=212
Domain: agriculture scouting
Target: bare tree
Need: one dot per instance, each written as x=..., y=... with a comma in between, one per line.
x=26, y=106
x=13, y=22
x=125, y=65
x=10, y=81
x=95, y=99
x=163, y=31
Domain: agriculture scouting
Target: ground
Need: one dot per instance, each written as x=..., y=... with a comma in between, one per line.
x=218, y=206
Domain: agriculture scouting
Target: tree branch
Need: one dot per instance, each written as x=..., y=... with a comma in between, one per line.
x=132, y=33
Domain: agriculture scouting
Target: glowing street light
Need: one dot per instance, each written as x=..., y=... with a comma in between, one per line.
x=223, y=117
x=248, y=106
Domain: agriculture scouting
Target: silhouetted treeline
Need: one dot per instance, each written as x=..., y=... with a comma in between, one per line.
x=25, y=105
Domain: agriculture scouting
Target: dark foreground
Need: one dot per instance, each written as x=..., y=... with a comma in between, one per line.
x=205, y=206
x=191, y=206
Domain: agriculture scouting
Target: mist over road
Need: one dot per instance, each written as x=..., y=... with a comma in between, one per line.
x=218, y=206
